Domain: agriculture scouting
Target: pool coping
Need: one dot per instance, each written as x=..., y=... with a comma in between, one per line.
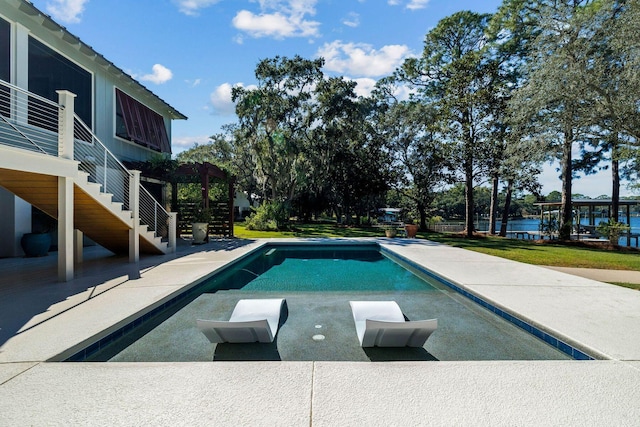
x=561, y=343
x=152, y=292
x=558, y=342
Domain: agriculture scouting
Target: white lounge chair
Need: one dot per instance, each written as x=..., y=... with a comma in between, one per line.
x=382, y=324
x=252, y=320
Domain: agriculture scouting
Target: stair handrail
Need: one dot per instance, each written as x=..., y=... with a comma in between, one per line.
x=100, y=164
x=152, y=214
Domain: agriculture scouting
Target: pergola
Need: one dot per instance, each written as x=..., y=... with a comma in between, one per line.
x=605, y=206
x=205, y=171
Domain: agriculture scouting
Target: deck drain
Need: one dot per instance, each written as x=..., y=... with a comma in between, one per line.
x=318, y=337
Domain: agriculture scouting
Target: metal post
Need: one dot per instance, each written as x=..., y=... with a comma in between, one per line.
x=104, y=179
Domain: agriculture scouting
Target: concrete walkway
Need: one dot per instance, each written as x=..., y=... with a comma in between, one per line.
x=601, y=318
x=607, y=276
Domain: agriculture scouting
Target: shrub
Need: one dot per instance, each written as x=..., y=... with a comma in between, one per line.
x=268, y=217
x=549, y=227
x=613, y=230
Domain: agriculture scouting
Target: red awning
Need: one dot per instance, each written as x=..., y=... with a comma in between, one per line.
x=144, y=126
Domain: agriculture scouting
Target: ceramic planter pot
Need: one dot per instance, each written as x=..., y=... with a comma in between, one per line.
x=35, y=244
x=411, y=230
x=390, y=232
x=200, y=231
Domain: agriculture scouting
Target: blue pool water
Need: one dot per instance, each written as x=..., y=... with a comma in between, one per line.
x=354, y=269
x=317, y=283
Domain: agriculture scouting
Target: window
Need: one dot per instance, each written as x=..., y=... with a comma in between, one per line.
x=5, y=65
x=49, y=71
x=138, y=123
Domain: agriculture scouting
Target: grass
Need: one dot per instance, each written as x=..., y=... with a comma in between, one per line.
x=527, y=251
x=309, y=230
x=547, y=253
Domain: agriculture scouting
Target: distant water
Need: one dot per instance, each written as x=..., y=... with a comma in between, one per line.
x=534, y=224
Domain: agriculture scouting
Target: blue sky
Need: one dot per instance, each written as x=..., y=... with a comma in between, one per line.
x=192, y=52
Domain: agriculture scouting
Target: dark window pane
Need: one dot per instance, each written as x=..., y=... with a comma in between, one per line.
x=50, y=71
x=5, y=63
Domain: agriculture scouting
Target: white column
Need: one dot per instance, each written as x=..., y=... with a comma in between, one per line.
x=20, y=70
x=65, y=229
x=134, y=207
x=173, y=223
x=65, y=187
x=65, y=124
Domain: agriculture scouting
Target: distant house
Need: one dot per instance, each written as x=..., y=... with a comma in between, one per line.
x=389, y=214
x=38, y=58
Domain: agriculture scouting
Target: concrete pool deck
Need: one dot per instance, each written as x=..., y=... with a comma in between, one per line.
x=43, y=320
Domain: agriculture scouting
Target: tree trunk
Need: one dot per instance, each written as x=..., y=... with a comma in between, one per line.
x=468, y=187
x=615, y=181
x=566, y=217
x=507, y=206
x=422, y=211
x=493, y=210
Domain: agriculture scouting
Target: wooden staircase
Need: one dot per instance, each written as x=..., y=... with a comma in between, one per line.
x=35, y=159
x=95, y=214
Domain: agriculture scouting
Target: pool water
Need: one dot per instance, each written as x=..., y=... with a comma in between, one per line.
x=317, y=283
x=325, y=269
x=338, y=269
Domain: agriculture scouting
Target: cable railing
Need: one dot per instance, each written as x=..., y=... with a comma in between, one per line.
x=154, y=216
x=105, y=169
x=32, y=122
x=97, y=161
x=28, y=121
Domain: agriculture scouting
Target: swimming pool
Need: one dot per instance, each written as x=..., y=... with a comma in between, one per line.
x=318, y=282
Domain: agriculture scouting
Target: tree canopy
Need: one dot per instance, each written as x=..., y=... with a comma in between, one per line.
x=492, y=98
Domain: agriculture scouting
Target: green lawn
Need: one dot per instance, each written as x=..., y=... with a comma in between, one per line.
x=530, y=252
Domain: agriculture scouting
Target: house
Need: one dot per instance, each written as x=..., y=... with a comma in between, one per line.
x=69, y=113
x=389, y=214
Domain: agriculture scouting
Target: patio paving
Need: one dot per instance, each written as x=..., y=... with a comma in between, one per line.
x=43, y=320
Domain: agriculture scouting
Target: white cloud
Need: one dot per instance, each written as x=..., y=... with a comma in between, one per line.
x=193, y=83
x=279, y=19
x=360, y=59
x=221, y=99
x=160, y=74
x=364, y=87
x=403, y=92
x=192, y=7
x=182, y=143
x=352, y=20
x=411, y=5
x=417, y=4
x=67, y=11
